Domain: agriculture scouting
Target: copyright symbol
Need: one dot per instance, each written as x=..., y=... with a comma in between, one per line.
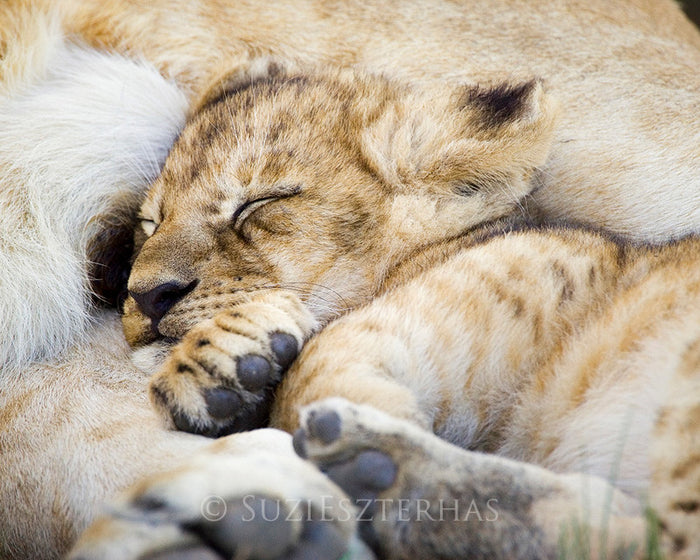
x=213, y=508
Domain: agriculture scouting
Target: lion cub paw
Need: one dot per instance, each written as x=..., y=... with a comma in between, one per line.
x=258, y=505
x=221, y=377
x=443, y=501
x=375, y=458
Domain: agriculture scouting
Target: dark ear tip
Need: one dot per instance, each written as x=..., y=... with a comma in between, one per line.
x=502, y=103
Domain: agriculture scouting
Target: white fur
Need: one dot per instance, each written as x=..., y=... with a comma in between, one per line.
x=89, y=132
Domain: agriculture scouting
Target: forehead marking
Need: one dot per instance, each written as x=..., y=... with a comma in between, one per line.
x=228, y=207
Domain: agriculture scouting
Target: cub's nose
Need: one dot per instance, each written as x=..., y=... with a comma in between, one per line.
x=157, y=302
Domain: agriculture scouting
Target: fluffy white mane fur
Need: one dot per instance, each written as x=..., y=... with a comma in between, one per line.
x=89, y=133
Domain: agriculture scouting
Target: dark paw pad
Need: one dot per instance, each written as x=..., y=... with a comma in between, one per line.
x=255, y=525
x=299, y=443
x=365, y=475
x=183, y=423
x=319, y=539
x=229, y=413
x=285, y=349
x=254, y=372
x=261, y=528
x=325, y=426
x=222, y=403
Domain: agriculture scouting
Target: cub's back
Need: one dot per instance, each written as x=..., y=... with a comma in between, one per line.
x=614, y=365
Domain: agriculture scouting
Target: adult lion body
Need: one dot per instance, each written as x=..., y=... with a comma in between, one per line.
x=625, y=156
x=620, y=71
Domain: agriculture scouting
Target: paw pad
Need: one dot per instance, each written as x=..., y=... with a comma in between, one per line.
x=325, y=427
x=365, y=475
x=184, y=424
x=285, y=349
x=222, y=403
x=254, y=523
x=264, y=528
x=254, y=372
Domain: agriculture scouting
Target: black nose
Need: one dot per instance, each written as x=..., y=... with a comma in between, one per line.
x=157, y=302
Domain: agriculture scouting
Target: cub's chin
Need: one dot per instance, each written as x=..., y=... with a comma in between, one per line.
x=150, y=358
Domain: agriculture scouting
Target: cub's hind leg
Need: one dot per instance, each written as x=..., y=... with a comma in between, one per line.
x=466, y=348
x=421, y=497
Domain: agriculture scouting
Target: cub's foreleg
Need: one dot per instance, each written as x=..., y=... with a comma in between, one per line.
x=451, y=348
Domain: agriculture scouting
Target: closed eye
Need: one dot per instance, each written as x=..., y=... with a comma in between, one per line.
x=149, y=226
x=247, y=208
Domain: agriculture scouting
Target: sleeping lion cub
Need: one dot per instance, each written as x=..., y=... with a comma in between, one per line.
x=333, y=234
x=93, y=93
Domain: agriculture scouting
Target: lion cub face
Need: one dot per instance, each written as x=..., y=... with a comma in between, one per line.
x=318, y=182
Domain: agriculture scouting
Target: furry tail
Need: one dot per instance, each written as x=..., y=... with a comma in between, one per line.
x=82, y=134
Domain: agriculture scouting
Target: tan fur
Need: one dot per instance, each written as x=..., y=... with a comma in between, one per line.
x=623, y=156
x=553, y=347
x=675, y=456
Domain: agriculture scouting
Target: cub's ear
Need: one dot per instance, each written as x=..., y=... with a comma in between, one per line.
x=470, y=140
x=261, y=69
x=502, y=104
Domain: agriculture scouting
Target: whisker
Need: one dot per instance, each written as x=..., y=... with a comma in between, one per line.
x=336, y=304
x=314, y=286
